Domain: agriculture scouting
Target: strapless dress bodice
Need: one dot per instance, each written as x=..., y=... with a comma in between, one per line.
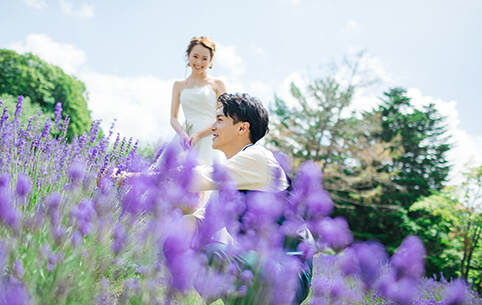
x=199, y=105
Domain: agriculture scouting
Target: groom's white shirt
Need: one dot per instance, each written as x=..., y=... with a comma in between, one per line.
x=254, y=168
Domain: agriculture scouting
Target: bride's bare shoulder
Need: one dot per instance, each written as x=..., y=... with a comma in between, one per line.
x=179, y=85
x=218, y=85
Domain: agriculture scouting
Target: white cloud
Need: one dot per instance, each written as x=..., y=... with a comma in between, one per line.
x=466, y=148
x=369, y=68
x=64, y=55
x=84, y=11
x=258, y=50
x=141, y=105
x=352, y=24
x=228, y=63
x=38, y=4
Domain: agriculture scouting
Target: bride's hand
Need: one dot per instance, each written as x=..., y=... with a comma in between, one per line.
x=194, y=138
x=186, y=141
x=120, y=176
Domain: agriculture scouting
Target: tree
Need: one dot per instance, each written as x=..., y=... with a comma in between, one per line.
x=422, y=166
x=450, y=224
x=45, y=85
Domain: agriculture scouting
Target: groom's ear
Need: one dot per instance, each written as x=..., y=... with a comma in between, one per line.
x=243, y=128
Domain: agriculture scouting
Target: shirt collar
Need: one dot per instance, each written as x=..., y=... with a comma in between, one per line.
x=249, y=145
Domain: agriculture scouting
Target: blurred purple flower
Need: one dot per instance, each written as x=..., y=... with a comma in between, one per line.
x=58, y=115
x=52, y=261
x=13, y=293
x=8, y=214
x=180, y=260
x=319, y=204
x=285, y=161
x=84, y=214
x=53, y=203
x=58, y=233
x=94, y=130
x=18, y=110
x=4, y=180
x=76, y=172
x=18, y=269
x=46, y=130
x=455, y=293
x=334, y=232
x=370, y=257
x=409, y=259
x=403, y=290
x=120, y=239
x=348, y=262
x=76, y=238
x=134, y=202
x=24, y=185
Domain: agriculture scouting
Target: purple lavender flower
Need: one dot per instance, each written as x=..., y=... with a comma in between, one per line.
x=8, y=214
x=120, y=239
x=76, y=172
x=18, y=110
x=64, y=128
x=134, y=202
x=46, y=130
x=370, y=256
x=455, y=293
x=5, y=116
x=3, y=255
x=308, y=178
x=285, y=161
x=76, y=238
x=116, y=142
x=409, y=258
x=58, y=233
x=52, y=262
x=18, y=269
x=94, y=130
x=58, y=115
x=348, y=262
x=84, y=214
x=24, y=185
x=335, y=232
x=53, y=203
x=13, y=293
x=180, y=261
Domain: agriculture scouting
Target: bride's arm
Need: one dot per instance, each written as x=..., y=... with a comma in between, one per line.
x=220, y=87
x=175, y=104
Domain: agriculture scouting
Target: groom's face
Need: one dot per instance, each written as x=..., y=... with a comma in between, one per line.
x=225, y=133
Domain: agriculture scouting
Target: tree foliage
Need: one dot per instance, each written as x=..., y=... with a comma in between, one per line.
x=422, y=166
x=29, y=109
x=450, y=223
x=45, y=85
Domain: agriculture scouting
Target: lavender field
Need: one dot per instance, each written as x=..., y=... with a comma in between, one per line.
x=70, y=235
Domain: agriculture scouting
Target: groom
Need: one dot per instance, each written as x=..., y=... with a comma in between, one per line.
x=241, y=121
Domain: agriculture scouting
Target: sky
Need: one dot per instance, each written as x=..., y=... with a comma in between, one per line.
x=129, y=54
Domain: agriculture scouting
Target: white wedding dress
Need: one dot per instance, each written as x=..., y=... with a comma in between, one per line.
x=199, y=105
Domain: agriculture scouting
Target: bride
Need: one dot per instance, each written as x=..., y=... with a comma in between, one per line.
x=197, y=95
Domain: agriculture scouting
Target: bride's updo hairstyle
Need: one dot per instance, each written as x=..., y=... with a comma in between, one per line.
x=205, y=41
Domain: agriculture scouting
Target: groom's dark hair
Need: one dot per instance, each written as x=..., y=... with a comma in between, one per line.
x=242, y=107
